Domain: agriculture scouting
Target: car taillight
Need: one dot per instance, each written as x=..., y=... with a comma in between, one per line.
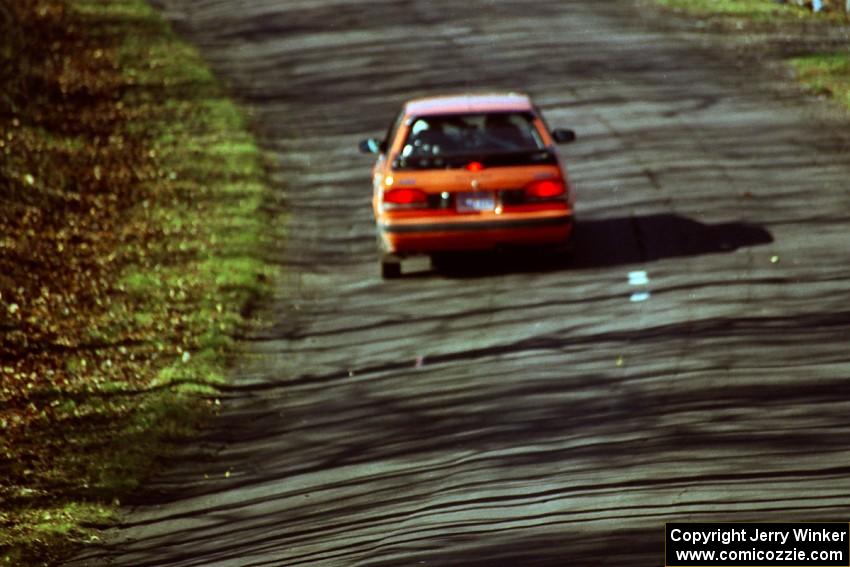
x=405, y=197
x=545, y=189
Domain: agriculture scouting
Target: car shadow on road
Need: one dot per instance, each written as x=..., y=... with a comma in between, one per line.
x=603, y=243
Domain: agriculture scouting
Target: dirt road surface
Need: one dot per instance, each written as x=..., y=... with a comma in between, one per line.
x=516, y=410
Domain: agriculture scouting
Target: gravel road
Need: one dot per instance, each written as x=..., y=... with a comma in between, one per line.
x=690, y=363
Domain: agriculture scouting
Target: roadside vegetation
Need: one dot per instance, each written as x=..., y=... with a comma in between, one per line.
x=826, y=74
x=132, y=225
x=822, y=71
x=758, y=10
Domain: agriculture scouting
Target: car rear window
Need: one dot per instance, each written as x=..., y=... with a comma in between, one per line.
x=465, y=133
x=449, y=140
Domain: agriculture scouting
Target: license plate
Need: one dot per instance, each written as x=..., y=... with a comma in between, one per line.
x=481, y=201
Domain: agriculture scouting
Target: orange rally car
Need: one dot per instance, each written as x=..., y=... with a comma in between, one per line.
x=468, y=172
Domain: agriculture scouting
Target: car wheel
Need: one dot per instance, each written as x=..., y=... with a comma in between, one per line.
x=390, y=269
x=440, y=262
x=568, y=247
x=563, y=252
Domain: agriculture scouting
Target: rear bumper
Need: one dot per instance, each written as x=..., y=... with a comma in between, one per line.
x=426, y=236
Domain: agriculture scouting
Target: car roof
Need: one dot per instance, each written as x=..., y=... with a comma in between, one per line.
x=468, y=103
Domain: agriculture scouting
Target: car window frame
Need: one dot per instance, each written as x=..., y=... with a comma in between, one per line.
x=547, y=130
x=392, y=132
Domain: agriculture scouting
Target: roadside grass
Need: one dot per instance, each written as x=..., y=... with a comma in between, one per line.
x=825, y=74
x=127, y=268
x=751, y=10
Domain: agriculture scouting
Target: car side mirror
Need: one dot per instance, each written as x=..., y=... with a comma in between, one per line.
x=371, y=146
x=563, y=136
